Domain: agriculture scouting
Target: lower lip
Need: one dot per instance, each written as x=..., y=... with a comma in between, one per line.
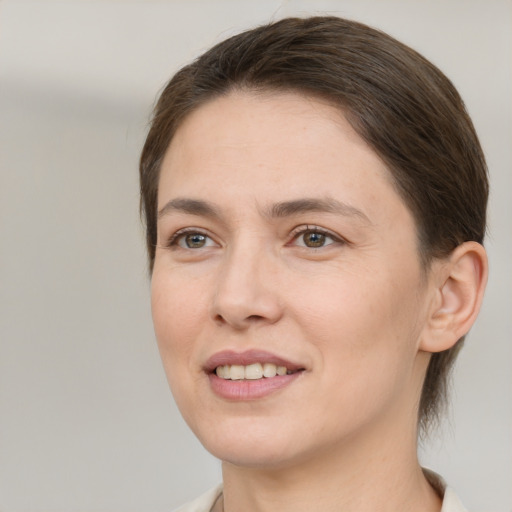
x=250, y=389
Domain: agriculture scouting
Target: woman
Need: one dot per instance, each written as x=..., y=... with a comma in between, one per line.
x=314, y=195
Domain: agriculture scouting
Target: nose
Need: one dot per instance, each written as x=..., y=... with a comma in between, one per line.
x=246, y=291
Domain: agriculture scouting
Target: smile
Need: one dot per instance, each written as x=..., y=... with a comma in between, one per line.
x=253, y=371
x=250, y=375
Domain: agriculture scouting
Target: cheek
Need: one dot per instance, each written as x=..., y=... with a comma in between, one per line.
x=362, y=320
x=177, y=316
x=365, y=338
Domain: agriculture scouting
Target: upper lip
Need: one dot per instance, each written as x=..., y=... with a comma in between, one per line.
x=230, y=357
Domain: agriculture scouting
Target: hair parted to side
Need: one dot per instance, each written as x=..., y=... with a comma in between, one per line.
x=397, y=101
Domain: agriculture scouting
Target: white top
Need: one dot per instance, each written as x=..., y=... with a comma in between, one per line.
x=451, y=502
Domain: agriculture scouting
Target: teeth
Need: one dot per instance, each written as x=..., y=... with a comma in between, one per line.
x=237, y=372
x=254, y=371
x=222, y=372
x=250, y=372
x=281, y=370
x=269, y=370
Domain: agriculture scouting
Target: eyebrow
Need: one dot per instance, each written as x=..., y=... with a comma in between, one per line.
x=323, y=205
x=278, y=210
x=190, y=206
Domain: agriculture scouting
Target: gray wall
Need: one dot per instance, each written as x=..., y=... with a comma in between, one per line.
x=86, y=420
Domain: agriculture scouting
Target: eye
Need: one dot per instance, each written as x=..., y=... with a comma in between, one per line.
x=314, y=238
x=191, y=240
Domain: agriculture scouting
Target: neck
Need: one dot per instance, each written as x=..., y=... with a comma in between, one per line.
x=377, y=471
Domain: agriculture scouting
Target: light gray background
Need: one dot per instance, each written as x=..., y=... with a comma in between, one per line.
x=86, y=420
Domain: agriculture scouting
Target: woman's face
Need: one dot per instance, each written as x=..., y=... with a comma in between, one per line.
x=282, y=243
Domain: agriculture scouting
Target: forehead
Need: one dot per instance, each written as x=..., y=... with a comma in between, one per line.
x=272, y=147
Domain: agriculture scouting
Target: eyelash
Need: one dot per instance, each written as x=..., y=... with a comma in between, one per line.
x=295, y=234
x=302, y=230
x=176, y=237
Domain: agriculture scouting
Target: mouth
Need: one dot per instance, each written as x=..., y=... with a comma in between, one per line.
x=249, y=375
x=254, y=371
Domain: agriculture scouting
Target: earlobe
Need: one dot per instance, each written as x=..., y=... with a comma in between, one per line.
x=461, y=281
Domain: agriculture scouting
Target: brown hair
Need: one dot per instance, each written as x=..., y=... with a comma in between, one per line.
x=401, y=104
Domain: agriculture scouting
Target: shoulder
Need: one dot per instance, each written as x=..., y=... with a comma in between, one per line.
x=451, y=502
x=203, y=503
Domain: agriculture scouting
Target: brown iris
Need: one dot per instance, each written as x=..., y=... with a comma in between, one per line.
x=195, y=240
x=313, y=239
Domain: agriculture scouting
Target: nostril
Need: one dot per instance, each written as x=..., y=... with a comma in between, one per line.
x=219, y=319
x=249, y=320
x=254, y=318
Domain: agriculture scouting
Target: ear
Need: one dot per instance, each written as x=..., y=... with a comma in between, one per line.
x=459, y=288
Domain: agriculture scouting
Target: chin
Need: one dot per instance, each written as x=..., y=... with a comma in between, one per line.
x=254, y=446
x=263, y=457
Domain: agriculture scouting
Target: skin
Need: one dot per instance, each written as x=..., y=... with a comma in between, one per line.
x=355, y=313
